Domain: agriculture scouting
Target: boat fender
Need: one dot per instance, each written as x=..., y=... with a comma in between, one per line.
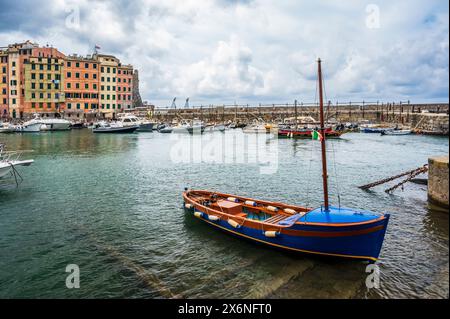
x=272, y=208
x=250, y=202
x=232, y=199
x=290, y=211
x=213, y=218
x=271, y=233
x=188, y=206
x=234, y=223
x=198, y=214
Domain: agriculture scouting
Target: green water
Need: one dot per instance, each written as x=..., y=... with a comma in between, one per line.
x=112, y=205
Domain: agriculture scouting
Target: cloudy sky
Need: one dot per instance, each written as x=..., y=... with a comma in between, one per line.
x=253, y=51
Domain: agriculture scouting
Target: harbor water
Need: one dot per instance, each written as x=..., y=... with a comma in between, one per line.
x=112, y=205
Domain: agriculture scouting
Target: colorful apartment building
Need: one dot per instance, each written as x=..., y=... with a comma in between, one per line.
x=82, y=82
x=43, y=80
x=125, y=87
x=4, y=96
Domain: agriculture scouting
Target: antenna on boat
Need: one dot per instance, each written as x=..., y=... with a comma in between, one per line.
x=323, y=142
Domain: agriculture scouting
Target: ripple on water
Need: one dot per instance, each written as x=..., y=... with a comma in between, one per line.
x=112, y=205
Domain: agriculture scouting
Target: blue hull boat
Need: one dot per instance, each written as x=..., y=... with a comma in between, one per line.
x=340, y=232
x=328, y=230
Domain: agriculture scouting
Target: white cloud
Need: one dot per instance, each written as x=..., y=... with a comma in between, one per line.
x=219, y=51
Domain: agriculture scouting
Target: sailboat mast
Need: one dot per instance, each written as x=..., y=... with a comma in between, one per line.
x=323, y=142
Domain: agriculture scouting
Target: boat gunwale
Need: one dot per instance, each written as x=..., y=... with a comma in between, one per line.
x=243, y=219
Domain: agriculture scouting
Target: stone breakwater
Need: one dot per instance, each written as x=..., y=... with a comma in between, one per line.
x=438, y=181
x=423, y=117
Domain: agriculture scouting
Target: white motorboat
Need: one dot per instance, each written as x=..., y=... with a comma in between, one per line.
x=215, y=128
x=56, y=124
x=131, y=120
x=9, y=161
x=7, y=128
x=257, y=128
x=32, y=126
x=396, y=132
x=185, y=127
x=114, y=127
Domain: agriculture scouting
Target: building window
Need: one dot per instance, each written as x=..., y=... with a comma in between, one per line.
x=86, y=86
x=68, y=85
x=103, y=69
x=77, y=64
x=86, y=65
x=94, y=75
x=41, y=105
x=94, y=86
x=69, y=106
x=86, y=106
x=78, y=106
x=33, y=105
x=33, y=95
x=33, y=86
x=109, y=70
x=77, y=75
x=86, y=75
x=69, y=74
x=69, y=64
x=95, y=66
x=77, y=85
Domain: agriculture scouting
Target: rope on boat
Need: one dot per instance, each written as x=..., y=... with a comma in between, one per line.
x=411, y=174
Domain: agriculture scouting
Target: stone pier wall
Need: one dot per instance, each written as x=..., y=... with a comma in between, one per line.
x=438, y=181
x=435, y=119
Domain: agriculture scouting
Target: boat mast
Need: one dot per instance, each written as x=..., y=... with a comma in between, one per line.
x=322, y=132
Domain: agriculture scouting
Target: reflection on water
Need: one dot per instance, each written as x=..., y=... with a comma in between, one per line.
x=112, y=205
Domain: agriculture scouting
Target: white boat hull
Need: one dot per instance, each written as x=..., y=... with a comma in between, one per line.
x=57, y=126
x=5, y=169
x=30, y=128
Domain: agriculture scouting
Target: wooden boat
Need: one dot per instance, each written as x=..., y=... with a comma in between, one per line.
x=307, y=133
x=327, y=230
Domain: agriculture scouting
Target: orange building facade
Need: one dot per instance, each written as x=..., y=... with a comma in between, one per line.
x=82, y=83
x=125, y=87
x=43, y=80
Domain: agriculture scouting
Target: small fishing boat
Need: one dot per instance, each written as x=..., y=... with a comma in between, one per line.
x=257, y=127
x=307, y=133
x=326, y=230
x=165, y=129
x=76, y=125
x=374, y=129
x=215, y=128
x=396, y=132
x=193, y=127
